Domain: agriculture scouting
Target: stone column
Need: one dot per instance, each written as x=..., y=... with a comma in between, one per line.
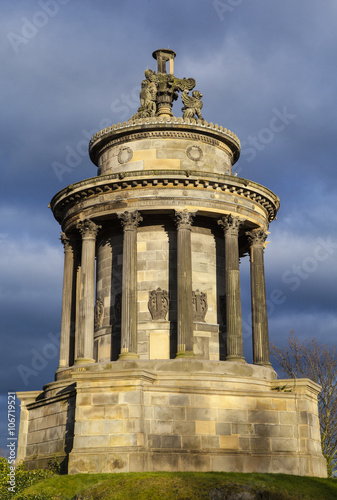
x=130, y=222
x=231, y=226
x=85, y=340
x=184, y=284
x=67, y=301
x=257, y=239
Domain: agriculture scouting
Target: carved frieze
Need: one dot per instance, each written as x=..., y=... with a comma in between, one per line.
x=158, y=304
x=199, y=305
x=99, y=313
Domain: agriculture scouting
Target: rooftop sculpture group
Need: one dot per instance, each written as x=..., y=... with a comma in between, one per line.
x=160, y=89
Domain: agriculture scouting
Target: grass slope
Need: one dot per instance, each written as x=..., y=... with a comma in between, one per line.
x=181, y=485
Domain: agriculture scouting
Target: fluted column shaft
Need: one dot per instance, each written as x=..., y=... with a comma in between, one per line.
x=256, y=239
x=67, y=302
x=85, y=340
x=184, y=285
x=231, y=226
x=130, y=222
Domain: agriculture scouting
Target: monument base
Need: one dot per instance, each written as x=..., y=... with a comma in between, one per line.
x=173, y=415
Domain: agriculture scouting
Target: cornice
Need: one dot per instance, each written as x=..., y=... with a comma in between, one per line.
x=98, y=186
x=161, y=127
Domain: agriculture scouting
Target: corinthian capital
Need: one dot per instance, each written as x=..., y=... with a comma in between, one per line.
x=88, y=229
x=230, y=224
x=257, y=236
x=184, y=219
x=130, y=220
x=66, y=242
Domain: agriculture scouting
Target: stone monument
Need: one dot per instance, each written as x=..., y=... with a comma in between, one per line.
x=152, y=374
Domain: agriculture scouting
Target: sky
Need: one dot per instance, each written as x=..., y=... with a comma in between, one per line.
x=267, y=71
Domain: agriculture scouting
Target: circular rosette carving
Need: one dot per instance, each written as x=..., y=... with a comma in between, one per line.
x=125, y=155
x=194, y=153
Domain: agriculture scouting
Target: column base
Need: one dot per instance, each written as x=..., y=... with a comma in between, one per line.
x=263, y=363
x=232, y=357
x=61, y=368
x=128, y=355
x=84, y=361
x=185, y=354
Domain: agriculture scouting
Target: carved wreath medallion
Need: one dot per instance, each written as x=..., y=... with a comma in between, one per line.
x=125, y=155
x=194, y=153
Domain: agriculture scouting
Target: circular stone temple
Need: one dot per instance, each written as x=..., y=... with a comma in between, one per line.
x=152, y=374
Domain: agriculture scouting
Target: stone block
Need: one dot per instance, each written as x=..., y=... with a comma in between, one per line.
x=200, y=414
x=191, y=442
x=235, y=416
x=228, y=463
x=192, y=462
x=169, y=413
x=105, y=398
x=122, y=440
x=114, y=426
x=259, y=444
x=284, y=444
x=159, y=399
x=288, y=417
x=171, y=441
x=159, y=345
x=263, y=417
x=132, y=397
x=183, y=428
x=223, y=429
x=179, y=400
x=229, y=442
x=90, y=441
x=154, y=441
x=285, y=465
x=83, y=399
x=161, y=427
x=204, y=427
x=164, y=462
x=274, y=430
x=243, y=429
x=210, y=442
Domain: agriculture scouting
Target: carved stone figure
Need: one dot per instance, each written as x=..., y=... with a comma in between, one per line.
x=200, y=305
x=192, y=104
x=99, y=313
x=158, y=304
x=159, y=90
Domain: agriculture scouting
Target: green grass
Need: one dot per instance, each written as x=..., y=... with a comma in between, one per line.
x=179, y=486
